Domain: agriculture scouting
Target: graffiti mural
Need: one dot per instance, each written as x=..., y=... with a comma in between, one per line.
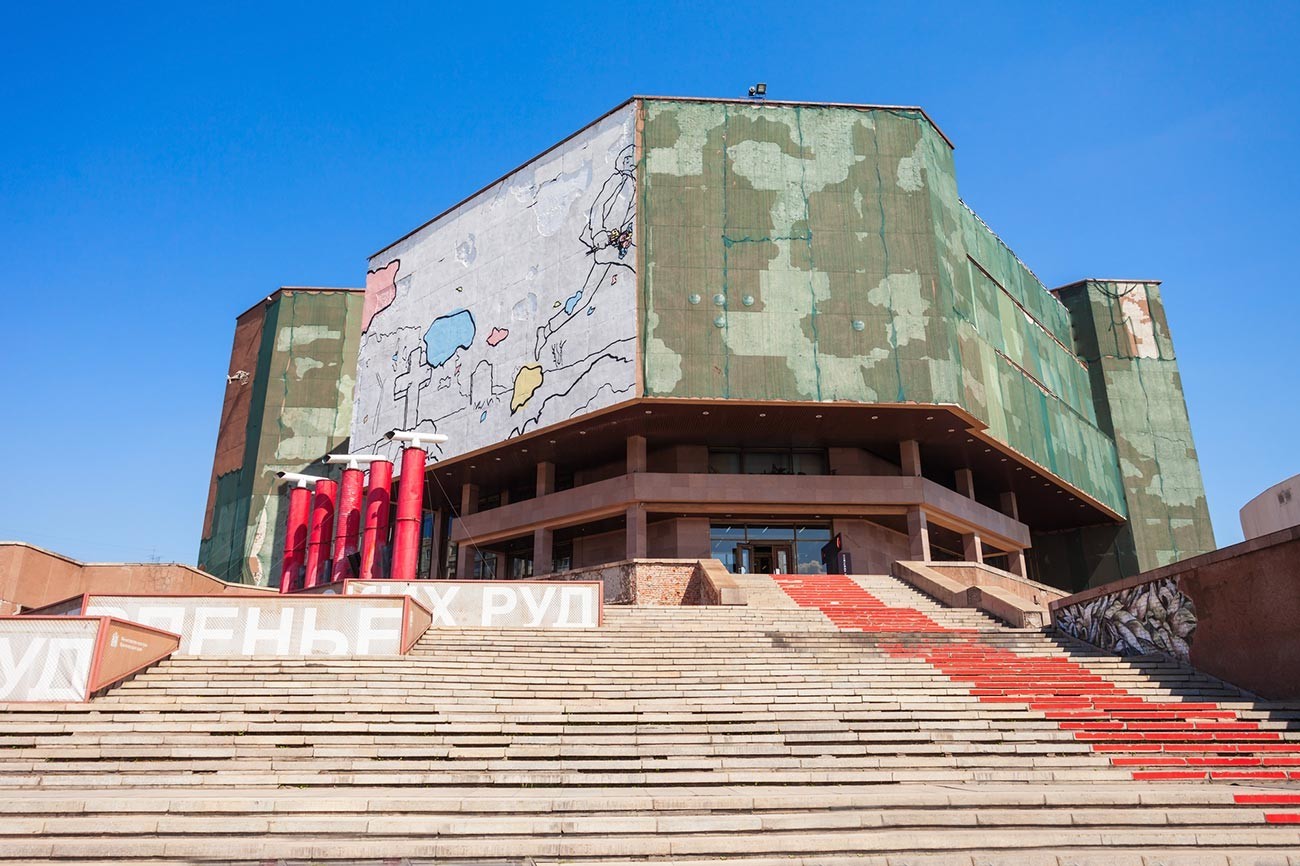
x=513, y=311
x=1153, y=617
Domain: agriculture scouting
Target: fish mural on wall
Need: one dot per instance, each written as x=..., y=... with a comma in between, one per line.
x=1155, y=617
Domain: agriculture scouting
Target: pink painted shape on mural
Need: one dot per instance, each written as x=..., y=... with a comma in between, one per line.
x=381, y=289
x=497, y=335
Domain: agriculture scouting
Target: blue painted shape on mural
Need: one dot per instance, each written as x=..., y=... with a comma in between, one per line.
x=590, y=310
x=447, y=334
x=483, y=417
x=572, y=303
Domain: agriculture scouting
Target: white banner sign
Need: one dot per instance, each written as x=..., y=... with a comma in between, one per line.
x=46, y=660
x=274, y=626
x=496, y=604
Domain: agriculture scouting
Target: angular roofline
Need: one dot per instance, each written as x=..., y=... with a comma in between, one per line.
x=282, y=289
x=861, y=106
x=1102, y=280
x=642, y=98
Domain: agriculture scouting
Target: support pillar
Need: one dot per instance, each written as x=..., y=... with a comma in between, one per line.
x=347, y=539
x=636, y=454
x=636, y=531
x=918, y=534
x=503, y=565
x=320, y=531
x=972, y=549
x=545, y=478
x=295, y=537
x=465, y=561
x=1016, y=563
x=909, y=454
x=468, y=498
x=410, y=500
x=375, y=518
x=435, y=544
x=1015, y=558
x=543, y=550
x=965, y=483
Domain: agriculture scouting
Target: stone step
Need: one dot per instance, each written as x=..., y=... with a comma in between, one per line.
x=772, y=842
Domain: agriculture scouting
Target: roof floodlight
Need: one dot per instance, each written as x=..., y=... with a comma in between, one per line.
x=758, y=91
x=300, y=480
x=352, y=461
x=416, y=438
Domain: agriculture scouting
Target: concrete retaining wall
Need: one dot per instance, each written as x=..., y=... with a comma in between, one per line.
x=1233, y=613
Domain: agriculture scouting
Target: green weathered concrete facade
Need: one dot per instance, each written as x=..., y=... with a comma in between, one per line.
x=822, y=253
x=810, y=253
x=1122, y=334
x=288, y=403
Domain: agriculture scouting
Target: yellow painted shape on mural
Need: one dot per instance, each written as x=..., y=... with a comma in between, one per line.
x=527, y=381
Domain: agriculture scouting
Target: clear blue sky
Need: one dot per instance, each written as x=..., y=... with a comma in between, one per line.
x=161, y=170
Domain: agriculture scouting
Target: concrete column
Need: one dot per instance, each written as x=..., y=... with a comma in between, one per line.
x=504, y=498
x=435, y=543
x=464, y=561
x=503, y=563
x=1016, y=563
x=636, y=531
x=636, y=454
x=909, y=452
x=1015, y=558
x=1010, y=506
x=468, y=498
x=965, y=483
x=918, y=534
x=545, y=478
x=543, y=550
x=972, y=550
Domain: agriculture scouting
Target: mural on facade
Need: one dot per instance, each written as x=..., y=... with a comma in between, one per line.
x=1153, y=617
x=515, y=310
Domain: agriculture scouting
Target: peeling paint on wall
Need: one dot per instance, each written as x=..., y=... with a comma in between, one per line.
x=1123, y=336
x=823, y=253
x=298, y=400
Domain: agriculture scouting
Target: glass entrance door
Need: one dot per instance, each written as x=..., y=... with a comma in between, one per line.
x=767, y=558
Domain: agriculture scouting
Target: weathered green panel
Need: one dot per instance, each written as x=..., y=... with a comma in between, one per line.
x=822, y=253
x=1123, y=335
x=300, y=410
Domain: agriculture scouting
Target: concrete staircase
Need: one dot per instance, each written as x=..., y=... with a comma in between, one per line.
x=850, y=720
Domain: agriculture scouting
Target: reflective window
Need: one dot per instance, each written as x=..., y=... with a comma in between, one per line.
x=810, y=463
x=736, y=546
x=724, y=549
x=485, y=565
x=724, y=462
x=767, y=461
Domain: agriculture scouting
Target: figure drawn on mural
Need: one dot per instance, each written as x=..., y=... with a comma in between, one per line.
x=607, y=237
x=464, y=368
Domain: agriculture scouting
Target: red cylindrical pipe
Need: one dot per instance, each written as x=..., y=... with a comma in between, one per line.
x=410, y=498
x=375, y=518
x=295, y=538
x=320, y=531
x=347, y=540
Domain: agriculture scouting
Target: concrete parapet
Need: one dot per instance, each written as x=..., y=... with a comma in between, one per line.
x=1016, y=600
x=31, y=577
x=1233, y=613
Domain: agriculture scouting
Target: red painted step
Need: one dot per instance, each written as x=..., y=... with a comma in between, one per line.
x=1270, y=799
x=1160, y=740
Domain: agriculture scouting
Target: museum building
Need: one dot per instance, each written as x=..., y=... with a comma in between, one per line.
x=765, y=332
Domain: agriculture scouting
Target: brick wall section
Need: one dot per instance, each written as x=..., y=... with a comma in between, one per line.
x=657, y=582
x=667, y=582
